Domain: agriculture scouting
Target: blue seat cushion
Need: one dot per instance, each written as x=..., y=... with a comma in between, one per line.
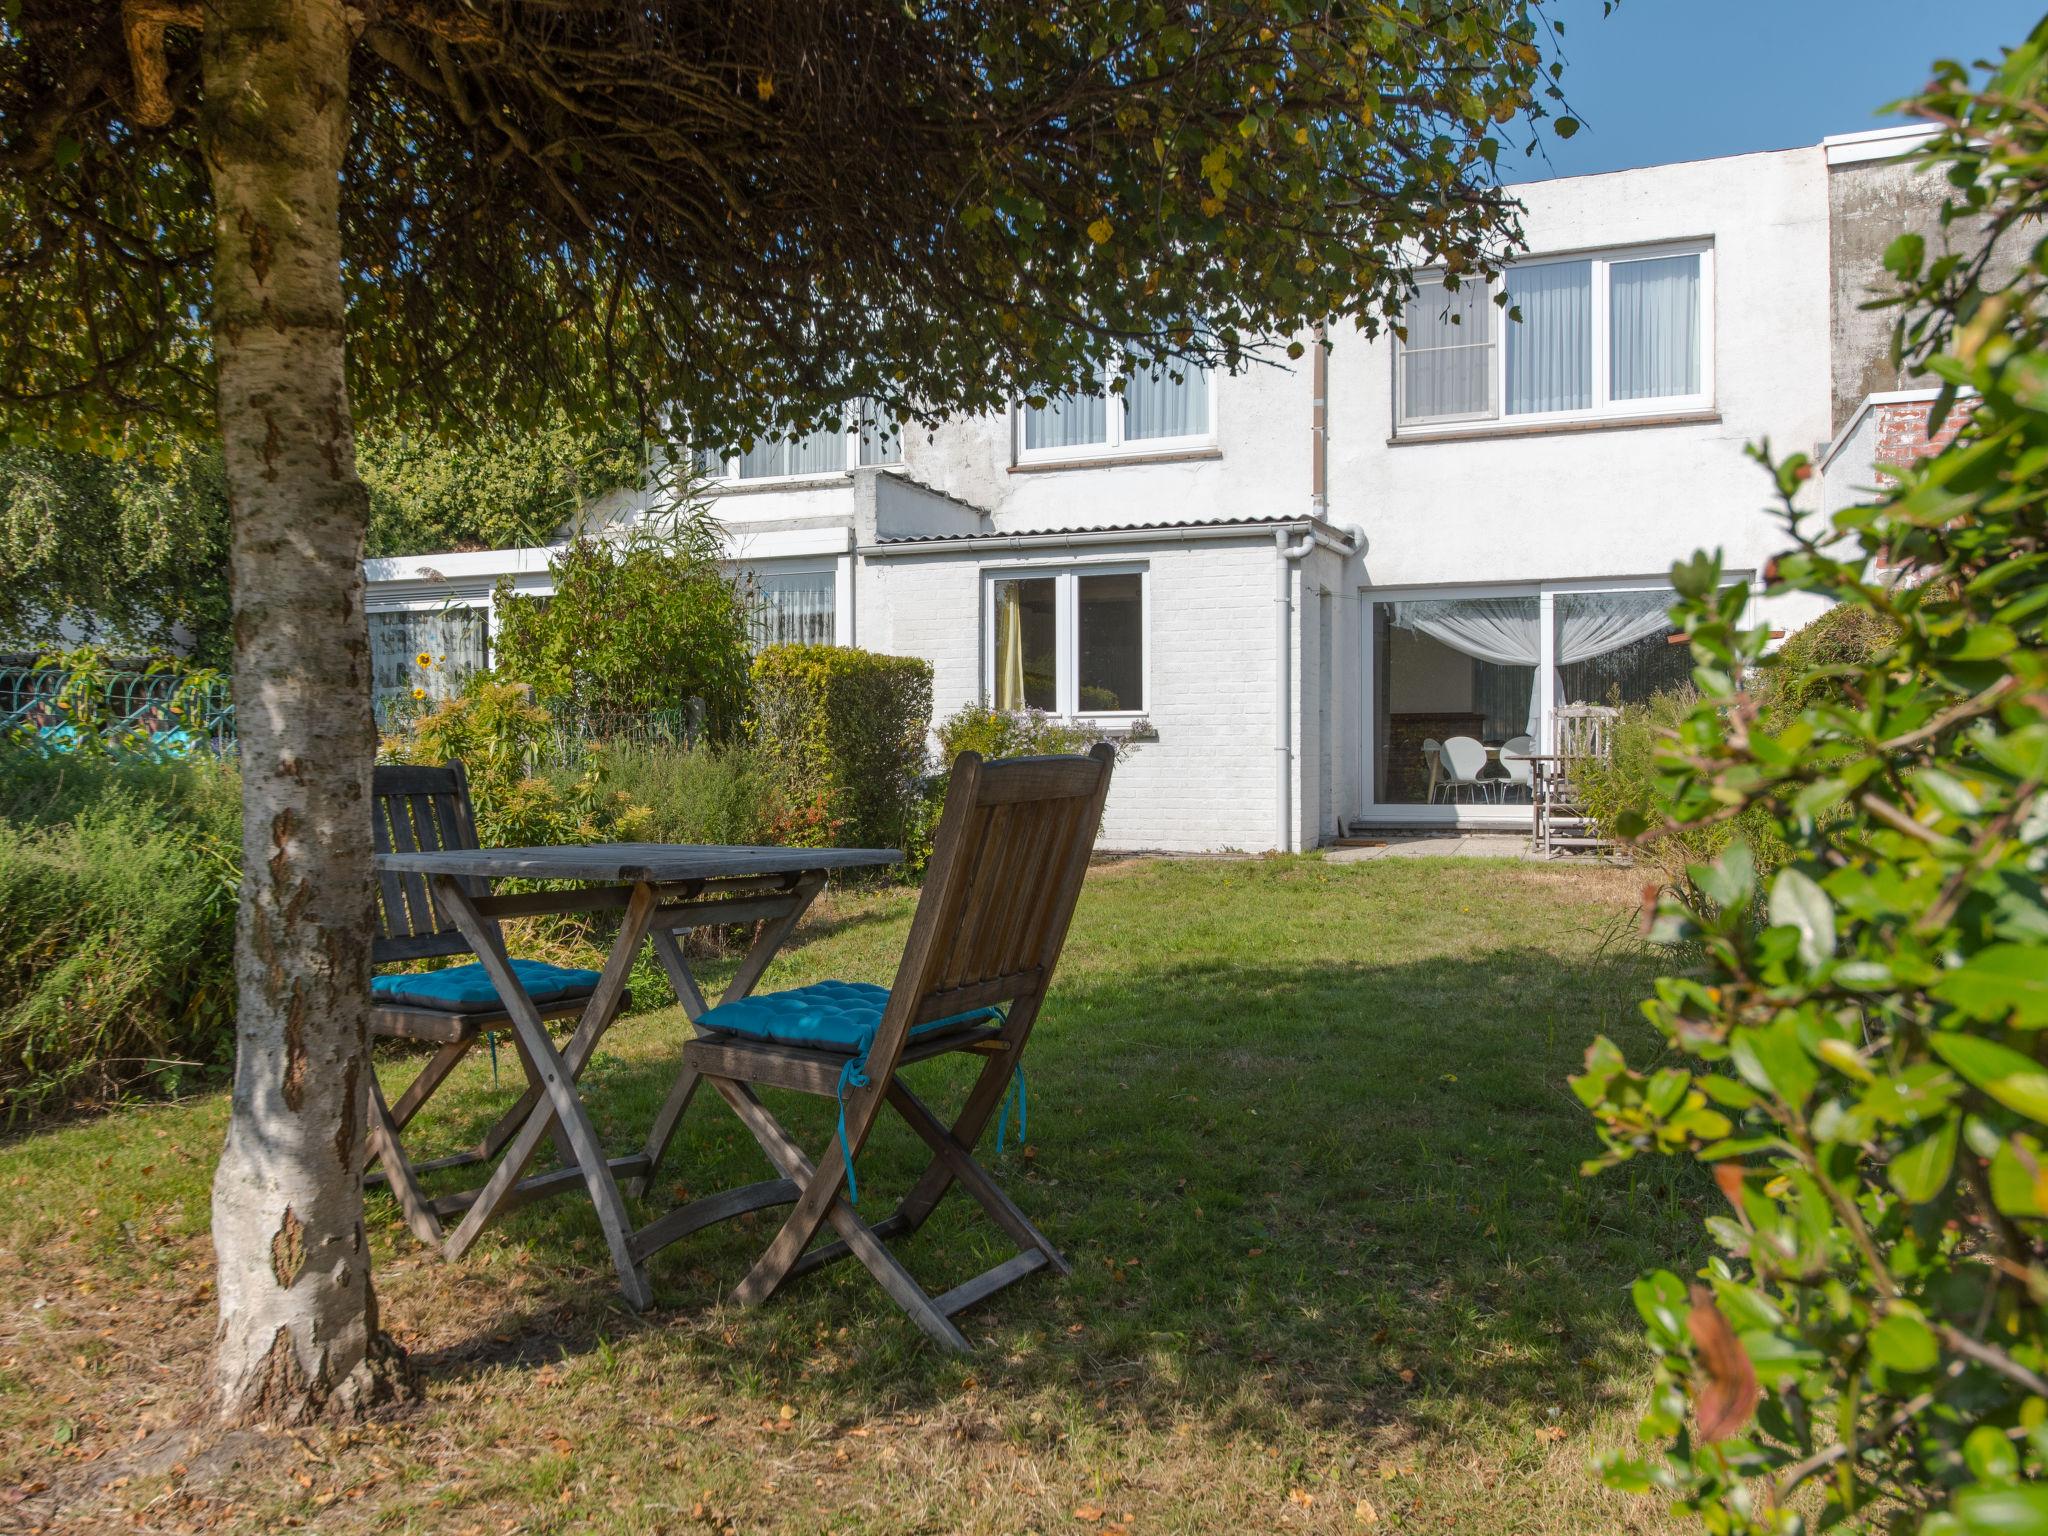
x=827, y=1015
x=468, y=989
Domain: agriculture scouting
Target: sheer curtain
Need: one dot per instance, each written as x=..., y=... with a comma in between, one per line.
x=1654, y=328
x=795, y=608
x=1156, y=404
x=1550, y=349
x=1509, y=630
x=1069, y=421
x=1591, y=624
x=815, y=453
x=1447, y=358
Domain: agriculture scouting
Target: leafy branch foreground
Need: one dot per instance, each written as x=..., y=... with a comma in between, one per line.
x=1865, y=1032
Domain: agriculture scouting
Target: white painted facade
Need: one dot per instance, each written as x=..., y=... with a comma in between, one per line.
x=1256, y=747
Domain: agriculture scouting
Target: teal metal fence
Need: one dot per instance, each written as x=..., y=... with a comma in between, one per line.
x=156, y=712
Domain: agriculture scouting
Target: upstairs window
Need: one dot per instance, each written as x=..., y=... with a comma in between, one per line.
x=867, y=435
x=1623, y=334
x=1160, y=407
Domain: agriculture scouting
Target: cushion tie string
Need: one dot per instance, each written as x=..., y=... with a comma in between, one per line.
x=491, y=1039
x=850, y=1076
x=1018, y=1093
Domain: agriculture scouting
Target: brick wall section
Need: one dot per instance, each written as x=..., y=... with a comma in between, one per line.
x=1902, y=432
x=1902, y=438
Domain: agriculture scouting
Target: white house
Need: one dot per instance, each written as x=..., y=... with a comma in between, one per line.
x=1297, y=576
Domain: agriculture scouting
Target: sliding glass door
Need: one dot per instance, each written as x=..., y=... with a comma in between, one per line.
x=1463, y=683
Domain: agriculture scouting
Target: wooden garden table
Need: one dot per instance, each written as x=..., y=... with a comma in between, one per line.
x=662, y=889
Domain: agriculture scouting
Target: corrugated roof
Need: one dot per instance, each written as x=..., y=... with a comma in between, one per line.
x=1172, y=525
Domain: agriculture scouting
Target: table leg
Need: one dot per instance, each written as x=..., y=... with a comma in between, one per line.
x=557, y=1074
x=774, y=934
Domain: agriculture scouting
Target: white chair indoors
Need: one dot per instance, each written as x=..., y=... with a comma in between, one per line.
x=1464, y=760
x=1515, y=753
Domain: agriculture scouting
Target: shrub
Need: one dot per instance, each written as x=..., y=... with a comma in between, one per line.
x=1000, y=733
x=500, y=735
x=117, y=920
x=1863, y=1038
x=643, y=622
x=843, y=730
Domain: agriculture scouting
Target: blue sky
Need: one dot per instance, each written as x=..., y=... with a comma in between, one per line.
x=1663, y=80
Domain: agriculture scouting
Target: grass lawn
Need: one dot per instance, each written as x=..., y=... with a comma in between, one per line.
x=1302, y=1129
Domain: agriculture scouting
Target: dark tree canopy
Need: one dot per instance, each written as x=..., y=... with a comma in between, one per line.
x=752, y=210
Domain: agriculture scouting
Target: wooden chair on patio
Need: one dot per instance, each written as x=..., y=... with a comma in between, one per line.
x=420, y=809
x=1581, y=734
x=1011, y=849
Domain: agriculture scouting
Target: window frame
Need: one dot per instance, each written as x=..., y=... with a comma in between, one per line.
x=1066, y=578
x=1601, y=260
x=827, y=570
x=729, y=475
x=1116, y=443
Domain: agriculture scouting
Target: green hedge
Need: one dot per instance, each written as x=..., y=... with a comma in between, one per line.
x=844, y=731
x=117, y=922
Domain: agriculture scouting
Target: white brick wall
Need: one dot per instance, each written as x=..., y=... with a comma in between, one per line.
x=1207, y=782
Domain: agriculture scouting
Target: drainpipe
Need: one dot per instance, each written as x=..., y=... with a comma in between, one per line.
x=1285, y=556
x=1319, y=424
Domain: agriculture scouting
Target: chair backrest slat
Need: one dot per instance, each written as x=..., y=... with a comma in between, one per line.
x=1007, y=864
x=417, y=808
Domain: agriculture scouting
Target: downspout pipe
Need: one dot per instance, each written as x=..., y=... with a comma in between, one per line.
x=1286, y=558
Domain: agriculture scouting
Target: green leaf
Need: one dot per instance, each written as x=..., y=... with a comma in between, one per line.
x=2003, y=1511
x=2006, y=983
x=1904, y=1342
x=1567, y=126
x=2018, y=1082
x=1797, y=902
x=1772, y=1058
x=1903, y=256
x=1922, y=1171
x=1728, y=881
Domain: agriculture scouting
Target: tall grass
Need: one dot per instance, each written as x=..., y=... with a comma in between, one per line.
x=704, y=795
x=117, y=912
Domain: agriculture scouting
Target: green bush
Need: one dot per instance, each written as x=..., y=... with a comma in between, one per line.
x=1000, y=733
x=117, y=920
x=843, y=730
x=1859, y=1040
x=502, y=738
x=636, y=624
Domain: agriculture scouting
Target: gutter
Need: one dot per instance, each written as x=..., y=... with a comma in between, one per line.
x=1286, y=564
x=1089, y=538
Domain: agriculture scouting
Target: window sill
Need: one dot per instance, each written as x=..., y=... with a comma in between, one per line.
x=762, y=487
x=1551, y=428
x=1114, y=460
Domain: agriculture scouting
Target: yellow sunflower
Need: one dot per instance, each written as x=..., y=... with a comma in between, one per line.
x=424, y=659
x=419, y=693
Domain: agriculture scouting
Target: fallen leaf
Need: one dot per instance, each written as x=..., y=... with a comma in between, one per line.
x=1730, y=1396
x=1088, y=1512
x=1365, y=1513
x=1298, y=1496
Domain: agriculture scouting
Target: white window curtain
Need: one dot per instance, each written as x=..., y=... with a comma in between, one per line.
x=1156, y=404
x=881, y=434
x=1447, y=358
x=453, y=639
x=1509, y=630
x=1069, y=421
x=794, y=608
x=1655, y=328
x=816, y=453
x=1591, y=624
x=1550, y=349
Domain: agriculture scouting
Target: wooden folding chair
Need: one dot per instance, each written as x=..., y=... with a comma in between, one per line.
x=1006, y=871
x=417, y=809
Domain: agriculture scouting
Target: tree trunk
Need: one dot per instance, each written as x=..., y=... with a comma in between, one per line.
x=298, y=1332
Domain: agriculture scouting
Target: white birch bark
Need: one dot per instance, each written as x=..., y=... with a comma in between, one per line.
x=298, y=1333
